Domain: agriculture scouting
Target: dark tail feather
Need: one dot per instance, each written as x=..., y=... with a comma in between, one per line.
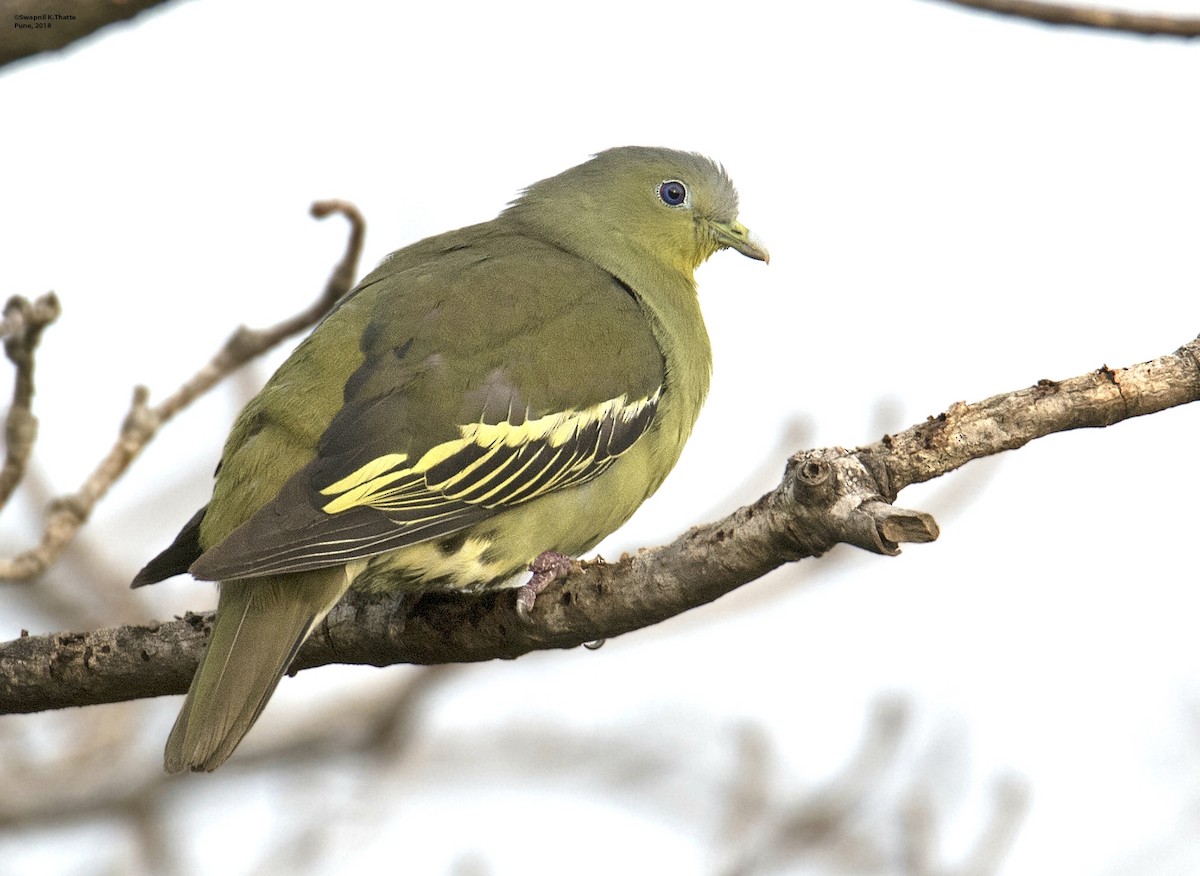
x=175, y=560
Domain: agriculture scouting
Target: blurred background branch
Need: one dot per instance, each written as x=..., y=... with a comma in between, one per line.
x=1095, y=17
x=21, y=330
x=69, y=20
x=65, y=514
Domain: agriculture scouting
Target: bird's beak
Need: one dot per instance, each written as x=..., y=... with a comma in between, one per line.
x=735, y=235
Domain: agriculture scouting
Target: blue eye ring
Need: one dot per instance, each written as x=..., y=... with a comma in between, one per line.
x=673, y=193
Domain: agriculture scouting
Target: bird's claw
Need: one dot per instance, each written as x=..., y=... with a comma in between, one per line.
x=547, y=567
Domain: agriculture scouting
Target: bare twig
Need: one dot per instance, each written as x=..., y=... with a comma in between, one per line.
x=922, y=832
x=67, y=513
x=800, y=827
x=1090, y=17
x=827, y=497
x=1010, y=804
x=21, y=330
x=836, y=819
x=379, y=724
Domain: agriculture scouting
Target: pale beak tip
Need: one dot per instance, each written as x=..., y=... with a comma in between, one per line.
x=756, y=249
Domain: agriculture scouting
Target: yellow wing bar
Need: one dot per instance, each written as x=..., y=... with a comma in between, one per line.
x=497, y=464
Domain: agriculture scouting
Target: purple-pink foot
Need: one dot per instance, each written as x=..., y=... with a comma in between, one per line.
x=547, y=567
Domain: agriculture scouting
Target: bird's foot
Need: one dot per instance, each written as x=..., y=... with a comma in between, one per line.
x=547, y=567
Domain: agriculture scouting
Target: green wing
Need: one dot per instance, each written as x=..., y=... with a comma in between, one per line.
x=491, y=373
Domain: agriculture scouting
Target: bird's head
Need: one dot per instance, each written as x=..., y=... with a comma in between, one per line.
x=634, y=204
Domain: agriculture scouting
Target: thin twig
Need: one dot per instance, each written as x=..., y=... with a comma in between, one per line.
x=1010, y=804
x=1090, y=17
x=378, y=724
x=68, y=513
x=21, y=330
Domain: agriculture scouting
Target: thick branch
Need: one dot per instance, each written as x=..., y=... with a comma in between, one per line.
x=827, y=497
x=1090, y=17
x=68, y=513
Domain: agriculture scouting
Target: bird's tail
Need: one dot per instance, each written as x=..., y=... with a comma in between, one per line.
x=261, y=623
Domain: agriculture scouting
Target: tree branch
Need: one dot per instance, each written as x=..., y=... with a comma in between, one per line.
x=1089, y=16
x=21, y=330
x=50, y=25
x=67, y=513
x=827, y=497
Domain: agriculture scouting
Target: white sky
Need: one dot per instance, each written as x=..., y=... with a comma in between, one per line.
x=956, y=205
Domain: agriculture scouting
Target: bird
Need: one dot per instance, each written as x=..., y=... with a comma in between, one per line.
x=487, y=401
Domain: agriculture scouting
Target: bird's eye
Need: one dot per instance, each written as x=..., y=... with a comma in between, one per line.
x=673, y=193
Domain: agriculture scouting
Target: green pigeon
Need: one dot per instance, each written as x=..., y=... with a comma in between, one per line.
x=489, y=400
